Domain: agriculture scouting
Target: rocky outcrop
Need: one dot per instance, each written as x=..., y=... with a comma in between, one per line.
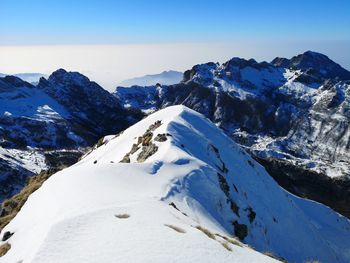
x=144, y=142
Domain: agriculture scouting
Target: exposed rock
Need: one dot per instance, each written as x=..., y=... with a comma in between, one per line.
x=154, y=126
x=146, y=138
x=234, y=207
x=134, y=148
x=223, y=184
x=148, y=148
x=223, y=167
x=241, y=230
x=99, y=142
x=251, y=214
x=7, y=235
x=126, y=159
x=4, y=248
x=173, y=205
x=146, y=152
x=160, y=137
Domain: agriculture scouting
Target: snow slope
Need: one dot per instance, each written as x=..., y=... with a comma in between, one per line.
x=193, y=175
x=32, y=103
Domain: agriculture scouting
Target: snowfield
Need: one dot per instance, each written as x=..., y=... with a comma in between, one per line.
x=29, y=159
x=183, y=191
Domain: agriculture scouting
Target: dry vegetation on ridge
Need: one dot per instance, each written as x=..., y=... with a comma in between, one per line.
x=11, y=206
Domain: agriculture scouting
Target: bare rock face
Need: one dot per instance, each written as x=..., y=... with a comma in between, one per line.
x=161, y=137
x=144, y=141
x=126, y=159
x=146, y=152
x=326, y=128
x=146, y=138
x=7, y=235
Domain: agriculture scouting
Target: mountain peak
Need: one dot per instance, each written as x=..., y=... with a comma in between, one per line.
x=314, y=54
x=242, y=63
x=15, y=81
x=314, y=62
x=311, y=59
x=63, y=76
x=59, y=71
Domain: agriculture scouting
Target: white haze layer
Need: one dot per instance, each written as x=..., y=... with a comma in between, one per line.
x=111, y=64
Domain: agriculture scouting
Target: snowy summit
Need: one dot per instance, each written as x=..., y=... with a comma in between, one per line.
x=172, y=188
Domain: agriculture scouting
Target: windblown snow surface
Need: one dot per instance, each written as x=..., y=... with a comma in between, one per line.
x=209, y=182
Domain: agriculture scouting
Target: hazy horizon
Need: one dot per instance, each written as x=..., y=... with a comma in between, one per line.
x=110, y=64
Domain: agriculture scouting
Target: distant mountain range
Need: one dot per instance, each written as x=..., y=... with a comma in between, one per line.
x=32, y=78
x=165, y=78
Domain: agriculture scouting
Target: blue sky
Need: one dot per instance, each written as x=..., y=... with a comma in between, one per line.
x=110, y=41
x=153, y=21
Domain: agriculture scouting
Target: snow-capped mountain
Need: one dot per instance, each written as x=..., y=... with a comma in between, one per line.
x=47, y=125
x=291, y=114
x=169, y=77
x=171, y=188
x=32, y=78
x=314, y=63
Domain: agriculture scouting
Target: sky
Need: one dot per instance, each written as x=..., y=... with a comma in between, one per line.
x=110, y=41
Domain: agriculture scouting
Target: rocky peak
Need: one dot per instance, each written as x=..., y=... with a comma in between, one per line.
x=249, y=75
x=73, y=88
x=310, y=59
x=243, y=63
x=280, y=62
x=204, y=70
x=314, y=63
x=62, y=76
x=13, y=81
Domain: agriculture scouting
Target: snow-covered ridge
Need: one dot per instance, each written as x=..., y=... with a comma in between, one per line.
x=150, y=192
